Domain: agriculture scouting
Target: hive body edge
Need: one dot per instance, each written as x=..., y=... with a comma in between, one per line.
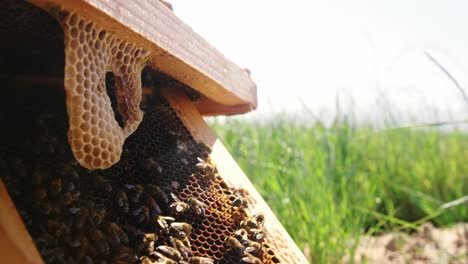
x=16, y=245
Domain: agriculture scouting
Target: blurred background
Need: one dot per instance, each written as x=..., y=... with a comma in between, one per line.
x=367, y=54
x=361, y=124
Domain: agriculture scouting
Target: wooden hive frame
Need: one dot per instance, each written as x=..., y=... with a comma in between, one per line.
x=182, y=54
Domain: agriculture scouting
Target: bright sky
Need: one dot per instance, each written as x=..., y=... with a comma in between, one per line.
x=312, y=51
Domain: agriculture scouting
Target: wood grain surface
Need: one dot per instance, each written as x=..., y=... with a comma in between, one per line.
x=233, y=175
x=16, y=245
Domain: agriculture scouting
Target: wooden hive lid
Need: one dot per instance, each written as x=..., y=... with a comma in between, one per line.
x=176, y=50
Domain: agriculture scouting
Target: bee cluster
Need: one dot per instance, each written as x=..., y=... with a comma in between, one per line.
x=247, y=241
x=164, y=202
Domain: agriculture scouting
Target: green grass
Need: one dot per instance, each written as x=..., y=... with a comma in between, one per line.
x=329, y=185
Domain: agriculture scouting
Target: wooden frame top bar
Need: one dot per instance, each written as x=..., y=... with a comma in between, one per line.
x=176, y=50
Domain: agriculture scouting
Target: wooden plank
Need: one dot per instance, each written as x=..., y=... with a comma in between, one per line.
x=176, y=49
x=16, y=245
x=208, y=107
x=228, y=169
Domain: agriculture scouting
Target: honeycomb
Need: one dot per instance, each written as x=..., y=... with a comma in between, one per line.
x=163, y=202
x=95, y=136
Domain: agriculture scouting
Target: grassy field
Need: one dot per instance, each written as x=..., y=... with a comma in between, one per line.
x=329, y=185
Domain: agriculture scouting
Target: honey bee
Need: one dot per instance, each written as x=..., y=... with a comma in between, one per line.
x=197, y=206
x=240, y=202
x=56, y=228
x=103, y=184
x=162, y=221
x=200, y=260
x=149, y=240
x=84, y=241
x=55, y=255
x=70, y=187
x=117, y=233
x=98, y=214
x=154, y=190
x=122, y=253
x=250, y=259
x=141, y=214
x=170, y=252
x=184, y=250
x=74, y=243
x=181, y=146
x=74, y=210
x=252, y=247
x=132, y=231
x=150, y=164
x=72, y=172
x=175, y=184
x=146, y=243
x=67, y=198
x=122, y=201
x=130, y=187
x=56, y=186
x=162, y=259
x=181, y=230
x=146, y=260
x=186, y=241
x=255, y=221
x=47, y=208
x=178, y=206
x=241, y=235
x=82, y=217
x=40, y=194
x=137, y=192
x=75, y=195
x=154, y=206
x=257, y=234
x=206, y=166
x=150, y=237
x=235, y=245
x=241, y=192
x=100, y=242
x=87, y=260
x=44, y=240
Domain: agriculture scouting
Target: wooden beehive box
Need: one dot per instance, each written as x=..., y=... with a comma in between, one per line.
x=105, y=156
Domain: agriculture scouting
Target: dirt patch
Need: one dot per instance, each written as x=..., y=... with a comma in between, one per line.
x=429, y=245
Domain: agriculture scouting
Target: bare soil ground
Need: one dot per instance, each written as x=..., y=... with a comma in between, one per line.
x=429, y=245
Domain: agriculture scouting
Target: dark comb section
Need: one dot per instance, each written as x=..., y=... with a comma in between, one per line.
x=163, y=202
